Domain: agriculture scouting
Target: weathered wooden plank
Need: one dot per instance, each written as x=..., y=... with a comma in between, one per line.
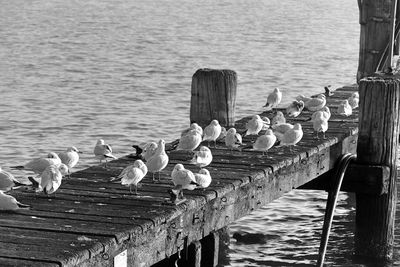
x=12, y=262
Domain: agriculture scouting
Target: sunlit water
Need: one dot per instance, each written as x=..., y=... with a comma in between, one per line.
x=75, y=71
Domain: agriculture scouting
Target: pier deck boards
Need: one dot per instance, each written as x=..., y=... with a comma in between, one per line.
x=91, y=220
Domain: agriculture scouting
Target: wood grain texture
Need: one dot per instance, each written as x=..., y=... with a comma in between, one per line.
x=213, y=97
x=377, y=144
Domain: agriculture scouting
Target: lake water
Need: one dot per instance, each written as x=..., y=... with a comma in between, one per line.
x=75, y=71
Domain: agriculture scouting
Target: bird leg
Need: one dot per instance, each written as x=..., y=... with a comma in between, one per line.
x=323, y=137
x=159, y=179
x=154, y=179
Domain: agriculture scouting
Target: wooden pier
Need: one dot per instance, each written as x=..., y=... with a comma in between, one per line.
x=93, y=222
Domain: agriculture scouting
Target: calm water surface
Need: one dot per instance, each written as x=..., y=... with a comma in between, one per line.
x=75, y=71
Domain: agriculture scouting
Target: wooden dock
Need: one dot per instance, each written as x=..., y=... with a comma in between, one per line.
x=93, y=222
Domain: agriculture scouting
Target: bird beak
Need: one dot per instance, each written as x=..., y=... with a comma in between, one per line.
x=80, y=152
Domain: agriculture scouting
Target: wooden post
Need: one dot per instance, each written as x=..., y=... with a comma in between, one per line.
x=377, y=144
x=209, y=251
x=213, y=97
x=375, y=21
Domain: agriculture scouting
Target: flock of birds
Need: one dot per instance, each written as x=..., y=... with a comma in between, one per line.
x=50, y=170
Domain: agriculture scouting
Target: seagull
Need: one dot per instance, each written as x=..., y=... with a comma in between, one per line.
x=159, y=160
x=190, y=141
x=254, y=125
x=9, y=203
x=202, y=158
x=280, y=129
x=70, y=157
x=344, y=108
x=233, y=139
x=51, y=178
x=266, y=123
x=133, y=174
x=193, y=126
x=320, y=123
x=326, y=113
x=292, y=136
x=183, y=178
x=265, y=142
x=294, y=109
x=149, y=150
x=353, y=100
x=212, y=132
x=316, y=103
x=222, y=136
x=273, y=99
x=38, y=165
x=278, y=118
x=8, y=181
x=203, y=178
x=103, y=151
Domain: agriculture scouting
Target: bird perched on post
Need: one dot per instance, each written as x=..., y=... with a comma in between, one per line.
x=212, y=132
x=183, y=178
x=38, y=165
x=325, y=111
x=202, y=158
x=254, y=125
x=295, y=108
x=103, y=151
x=190, y=141
x=9, y=203
x=265, y=142
x=273, y=99
x=315, y=103
x=133, y=174
x=233, y=139
x=8, y=181
x=320, y=123
x=344, y=108
x=292, y=137
x=203, y=178
x=159, y=160
x=70, y=157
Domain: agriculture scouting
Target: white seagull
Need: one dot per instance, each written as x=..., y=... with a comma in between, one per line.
x=203, y=178
x=70, y=157
x=183, y=178
x=295, y=108
x=38, y=165
x=266, y=123
x=278, y=118
x=254, y=126
x=52, y=177
x=354, y=99
x=233, y=139
x=159, y=160
x=344, y=108
x=189, y=141
x=133, y=174
x=9, y=203
x=292, y=136
x=280, y=129
x=202, y=158
x=320, y=123
x=8, y=181
x=103, y=151
x=193, y=126
x=212, y=132
x=274, y=99
x=265, y=142
x=316, y=103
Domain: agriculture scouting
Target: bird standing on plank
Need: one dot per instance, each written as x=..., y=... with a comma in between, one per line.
x=254, y=126
x=233, y=139
x=133, y=174
x=202, y=158
x=203, y=178
x=273, y=99
x=212, y=132
x=9, y=203
x=38, y=165
x=8, y=181
x=159, y=160
x=103, y=151
x=70, y=157
x=265, y=142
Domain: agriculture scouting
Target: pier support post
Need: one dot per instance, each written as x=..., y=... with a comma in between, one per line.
x=377, y=144
x=210, y=249
x=213, y=97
